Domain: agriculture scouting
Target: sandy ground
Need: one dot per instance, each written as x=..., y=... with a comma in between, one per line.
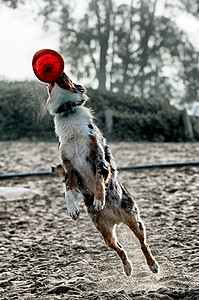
x=46, y=255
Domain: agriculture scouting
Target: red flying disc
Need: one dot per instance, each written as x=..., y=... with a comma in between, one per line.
x=48, y=65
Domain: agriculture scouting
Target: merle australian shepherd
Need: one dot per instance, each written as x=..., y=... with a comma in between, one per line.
x=89, y=170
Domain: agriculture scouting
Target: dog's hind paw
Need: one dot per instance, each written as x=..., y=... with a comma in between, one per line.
x=154, y=267
x=128, y=268
x=99, y=205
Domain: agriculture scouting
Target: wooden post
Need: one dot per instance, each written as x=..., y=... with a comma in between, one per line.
x=108, y=122
x=188, y=129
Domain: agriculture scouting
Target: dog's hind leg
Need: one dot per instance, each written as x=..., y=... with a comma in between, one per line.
x=135, y=223
x=108, y=232
x=139, y=231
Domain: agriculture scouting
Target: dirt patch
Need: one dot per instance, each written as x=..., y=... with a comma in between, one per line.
x=46, y=255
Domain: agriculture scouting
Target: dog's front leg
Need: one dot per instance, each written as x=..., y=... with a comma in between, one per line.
x=71, y=203
x=103, y=173
x=99, y=193
x=71, y=194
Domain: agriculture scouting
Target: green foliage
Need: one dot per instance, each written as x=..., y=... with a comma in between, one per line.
x=139, y=119
x=22, y=112
x=23, y=115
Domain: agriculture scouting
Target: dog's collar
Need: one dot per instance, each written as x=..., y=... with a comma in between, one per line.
x=68, y=107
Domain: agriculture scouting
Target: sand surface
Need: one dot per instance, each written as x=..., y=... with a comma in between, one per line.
x=46, y=255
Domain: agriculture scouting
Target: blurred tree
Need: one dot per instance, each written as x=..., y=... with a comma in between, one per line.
x=127, y=47
x=86, y=43
x=189, y=56
x=184, y=5
x=12, y=3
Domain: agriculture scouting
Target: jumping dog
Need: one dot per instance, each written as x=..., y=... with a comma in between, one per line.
x=88, y=170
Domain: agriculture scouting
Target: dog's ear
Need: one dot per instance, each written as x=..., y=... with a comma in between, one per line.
x=65, y=82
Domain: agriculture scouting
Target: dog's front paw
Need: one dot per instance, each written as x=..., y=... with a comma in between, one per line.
x=74, y=214
x=73, y=211
x=71, y=205
x=99, y=205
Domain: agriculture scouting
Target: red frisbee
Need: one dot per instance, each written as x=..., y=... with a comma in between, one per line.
x=48, y=65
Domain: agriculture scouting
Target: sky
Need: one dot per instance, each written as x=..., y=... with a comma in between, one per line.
x=22, y=35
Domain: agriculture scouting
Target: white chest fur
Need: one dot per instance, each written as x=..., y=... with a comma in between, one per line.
x=77, y=151
x=74, y=125
x=73, y=132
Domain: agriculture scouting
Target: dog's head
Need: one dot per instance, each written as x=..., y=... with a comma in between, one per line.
x=64, y=95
